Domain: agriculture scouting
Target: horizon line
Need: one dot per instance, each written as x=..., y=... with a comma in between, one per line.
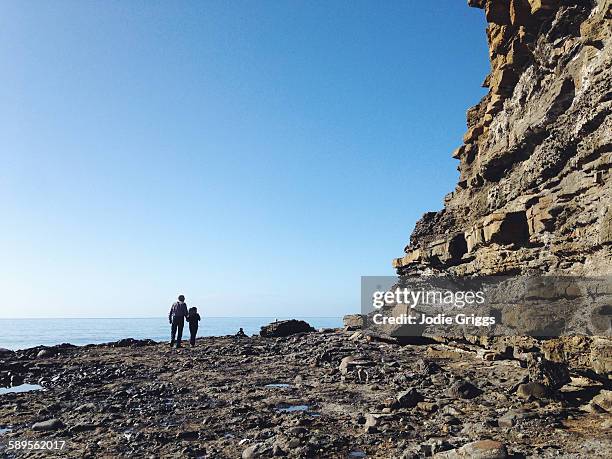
x=163, y=317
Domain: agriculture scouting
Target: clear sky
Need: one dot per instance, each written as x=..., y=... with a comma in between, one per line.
x=258, y=156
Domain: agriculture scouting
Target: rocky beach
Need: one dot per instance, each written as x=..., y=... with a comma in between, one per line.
x=533, y=199
x=341, y=393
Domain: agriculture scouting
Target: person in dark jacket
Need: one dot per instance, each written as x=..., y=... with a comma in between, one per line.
x=176, y=317
x=193, y=318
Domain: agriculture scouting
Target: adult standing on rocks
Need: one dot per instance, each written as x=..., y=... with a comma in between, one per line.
x=177, y=315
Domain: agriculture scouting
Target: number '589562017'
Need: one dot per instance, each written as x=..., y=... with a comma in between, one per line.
x=36, y=444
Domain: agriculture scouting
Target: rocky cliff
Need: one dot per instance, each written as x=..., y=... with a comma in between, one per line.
x=534, y=192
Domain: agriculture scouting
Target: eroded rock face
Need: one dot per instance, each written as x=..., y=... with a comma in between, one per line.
x=534, y=191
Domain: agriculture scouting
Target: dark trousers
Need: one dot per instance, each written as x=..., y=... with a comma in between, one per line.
x=177, y=326
x=193, y=330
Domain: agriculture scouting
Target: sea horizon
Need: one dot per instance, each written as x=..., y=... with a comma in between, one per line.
x=53, y=331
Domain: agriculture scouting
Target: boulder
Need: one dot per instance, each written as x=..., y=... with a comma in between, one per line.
x=531, y=389
x=6, y=353
x=552, y=375
x=601, y=355
x=283, y=328
x=427, y=367
x=512, y=417
x=373, y=421
x=252, y=451
x=354, y=321
x=409, y=398
x=463, y=389
x=44, y=354
x=344, y=364
x=350, y=362
x=603, y=400
x=48, y=426
x=189, y=435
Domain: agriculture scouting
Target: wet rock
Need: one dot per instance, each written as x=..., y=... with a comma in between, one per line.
x=44, y=354
x=131, y=342
x=49, y=425
x=188, y=435
x=284, y=328
x=6, y=353
x=16, y=380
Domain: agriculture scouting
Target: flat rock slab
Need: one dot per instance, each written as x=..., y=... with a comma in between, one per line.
x=49, y=425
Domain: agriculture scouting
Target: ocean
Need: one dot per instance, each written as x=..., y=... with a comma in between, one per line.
x=24, y=333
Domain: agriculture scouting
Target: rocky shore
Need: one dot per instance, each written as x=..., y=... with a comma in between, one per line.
x=533, y=198
x=328, y=393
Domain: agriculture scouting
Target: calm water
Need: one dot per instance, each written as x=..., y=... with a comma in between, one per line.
x=19, y=389
x=24, y=333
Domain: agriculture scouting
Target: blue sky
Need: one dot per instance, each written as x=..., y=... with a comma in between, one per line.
x=258, y=157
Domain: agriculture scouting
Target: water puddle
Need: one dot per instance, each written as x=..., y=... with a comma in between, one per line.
x=278, y=386
x=292, y=408
x=5, y=430
x=356, y=455
x=19, y=389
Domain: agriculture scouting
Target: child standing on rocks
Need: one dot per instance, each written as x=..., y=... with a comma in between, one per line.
x=193, y=318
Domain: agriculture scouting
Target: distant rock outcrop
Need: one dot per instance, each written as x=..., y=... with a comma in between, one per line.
x=285, y=328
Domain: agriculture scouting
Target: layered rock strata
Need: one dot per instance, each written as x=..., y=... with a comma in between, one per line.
x=534, y=190
x=534, y=193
